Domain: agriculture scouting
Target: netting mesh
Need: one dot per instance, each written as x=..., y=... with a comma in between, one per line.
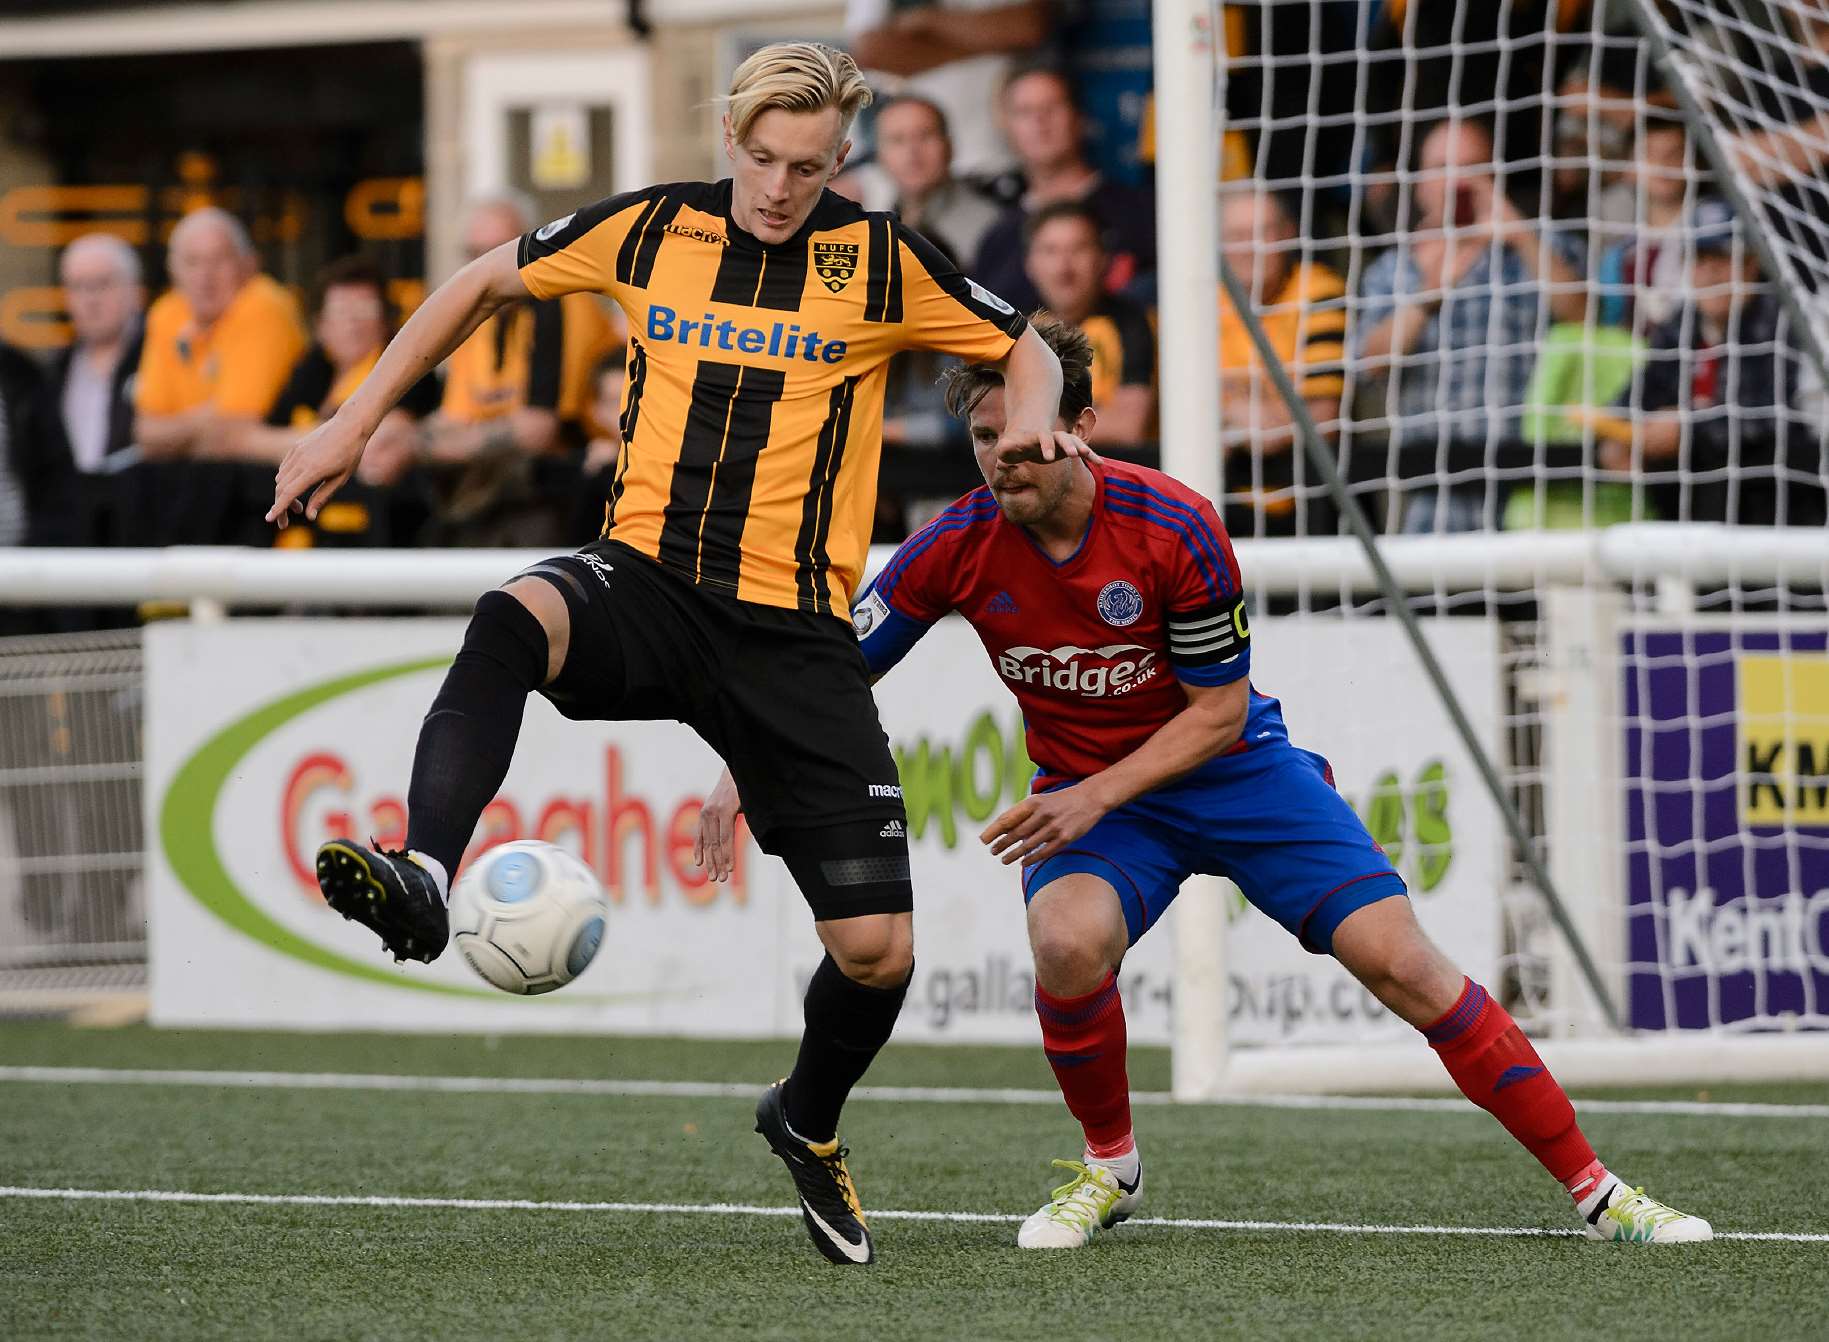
x=1474, y=229
x=1490, y=244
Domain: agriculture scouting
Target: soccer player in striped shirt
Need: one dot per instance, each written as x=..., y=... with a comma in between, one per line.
x=1108, y=597
x=763, y=312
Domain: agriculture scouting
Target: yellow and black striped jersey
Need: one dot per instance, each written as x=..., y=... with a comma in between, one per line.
x=752, y=418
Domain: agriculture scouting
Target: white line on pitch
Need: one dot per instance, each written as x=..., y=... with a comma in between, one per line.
x=731, y=1090
x=752, y=1209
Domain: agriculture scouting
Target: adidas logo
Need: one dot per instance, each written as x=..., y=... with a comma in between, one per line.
x=1001, y=604
x=892, y=830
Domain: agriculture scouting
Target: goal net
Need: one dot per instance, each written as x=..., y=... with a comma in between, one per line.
x=1549, y=278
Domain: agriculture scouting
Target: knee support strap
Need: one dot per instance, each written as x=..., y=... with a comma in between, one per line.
x=505, y=632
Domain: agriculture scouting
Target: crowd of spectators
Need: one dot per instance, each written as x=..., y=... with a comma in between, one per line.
x=1535, y=313
x=162, y=423
x=1570, y=333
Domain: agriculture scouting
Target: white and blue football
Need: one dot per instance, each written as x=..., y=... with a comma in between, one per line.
x=528, y=916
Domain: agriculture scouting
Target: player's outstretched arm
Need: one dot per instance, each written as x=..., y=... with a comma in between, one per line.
x=1040, y=826
x=715, y=850
x=326, y=457
x=1032, y=401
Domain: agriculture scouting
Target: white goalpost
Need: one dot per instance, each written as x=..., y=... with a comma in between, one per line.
x=1661, y=731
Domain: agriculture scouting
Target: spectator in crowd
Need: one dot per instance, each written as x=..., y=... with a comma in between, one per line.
x=1302, y=305
x=1047, y=133
x=1640, y=277
x=1452, y=318
x=515, y=399
x=927, y=459
x=912, y=175
x=1713, y=410
x=502, y=384
x=1783, y=147
x=1597, y=105
x=523, y=376
x=351, y=327
x=1066, y=263
x=1792, y=146
x=34, y=477
x=954, y=53
x=92, y=376
x=608, y=379
x=219, y=344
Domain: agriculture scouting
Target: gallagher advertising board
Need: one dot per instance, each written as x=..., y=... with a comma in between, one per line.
x=264, y=737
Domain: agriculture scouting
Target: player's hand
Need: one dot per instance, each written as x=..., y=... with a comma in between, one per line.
x=1038, y=827
x=716, y=847
x=1041, y=445
x=316, y=468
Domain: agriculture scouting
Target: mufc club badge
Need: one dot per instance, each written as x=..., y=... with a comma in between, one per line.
x=835, y=263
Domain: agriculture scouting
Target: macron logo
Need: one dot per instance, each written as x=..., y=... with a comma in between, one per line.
x=781, y=340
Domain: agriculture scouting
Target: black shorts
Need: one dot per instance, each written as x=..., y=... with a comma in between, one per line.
x=782, y=695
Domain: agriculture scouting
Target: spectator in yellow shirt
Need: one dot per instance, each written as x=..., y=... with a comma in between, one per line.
x=1302, y=305
x=219, y=344
x=522, y=381
x=352, y=325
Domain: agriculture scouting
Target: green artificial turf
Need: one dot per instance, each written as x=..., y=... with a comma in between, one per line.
x=161, y=1270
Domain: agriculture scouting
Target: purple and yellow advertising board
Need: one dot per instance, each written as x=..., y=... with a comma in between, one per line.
x=1727, y=827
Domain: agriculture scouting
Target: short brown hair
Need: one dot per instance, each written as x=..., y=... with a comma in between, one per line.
x=1064, y=209
x=795, y=77
x=967, y=384
x=353, y=272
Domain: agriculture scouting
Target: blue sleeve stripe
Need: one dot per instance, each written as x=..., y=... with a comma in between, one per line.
x=1220, y=673
x=960, y=516
x=1215, y=588
x=1201, y=530
x=969, y=509
x=914, y=548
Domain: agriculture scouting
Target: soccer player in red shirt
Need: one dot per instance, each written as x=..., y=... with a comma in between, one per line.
x=1107, y=595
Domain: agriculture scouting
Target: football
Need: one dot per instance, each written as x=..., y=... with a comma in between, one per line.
x=528, y=917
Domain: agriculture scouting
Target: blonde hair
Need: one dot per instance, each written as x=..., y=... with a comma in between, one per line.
x=795, y=77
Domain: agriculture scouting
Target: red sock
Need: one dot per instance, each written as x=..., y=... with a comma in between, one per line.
x=1084, y=1040
x=1496, y=1067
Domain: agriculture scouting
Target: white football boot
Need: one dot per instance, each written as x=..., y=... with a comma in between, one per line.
x=1624, y=1213
x=1093, y=1200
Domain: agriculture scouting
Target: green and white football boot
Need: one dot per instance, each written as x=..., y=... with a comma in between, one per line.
x=1627, y=1214
x=1093, y=1200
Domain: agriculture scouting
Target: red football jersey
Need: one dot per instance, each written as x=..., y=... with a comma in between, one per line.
x=1093, y=647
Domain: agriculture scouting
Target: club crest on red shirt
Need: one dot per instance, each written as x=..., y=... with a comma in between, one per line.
x=1120, y=604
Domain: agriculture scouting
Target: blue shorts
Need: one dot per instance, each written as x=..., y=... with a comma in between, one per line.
x=1268, y=819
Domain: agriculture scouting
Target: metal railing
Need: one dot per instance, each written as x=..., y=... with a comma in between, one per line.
x=72, y=841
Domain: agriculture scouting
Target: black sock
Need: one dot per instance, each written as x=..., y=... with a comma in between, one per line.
x=847, y=1025
x=468, y=738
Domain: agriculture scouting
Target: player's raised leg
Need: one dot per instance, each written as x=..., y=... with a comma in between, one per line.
x=1078, y=934
x=516, y=642
x=855, y=877
x=1496, y=1067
